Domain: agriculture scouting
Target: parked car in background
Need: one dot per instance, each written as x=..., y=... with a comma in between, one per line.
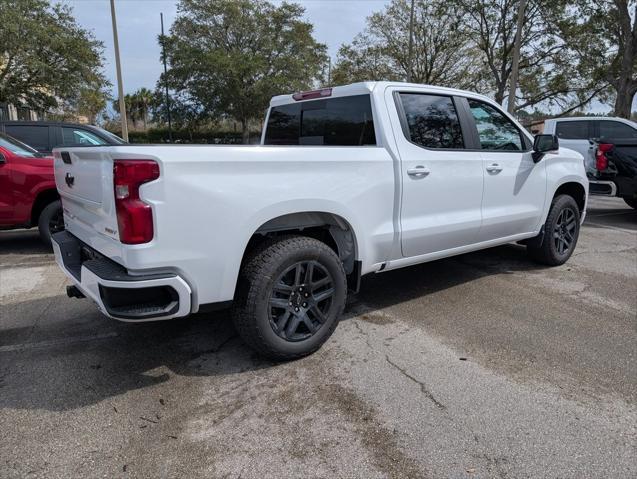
x=615, y=172
x=46, y=135
x=348, y=181
x=28, y=196
x=576, y=132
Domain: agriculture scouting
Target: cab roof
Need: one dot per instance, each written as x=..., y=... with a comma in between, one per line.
x=367, y=87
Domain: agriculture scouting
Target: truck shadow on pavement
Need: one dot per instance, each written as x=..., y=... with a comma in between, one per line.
x=69, y=356
x=22, y=242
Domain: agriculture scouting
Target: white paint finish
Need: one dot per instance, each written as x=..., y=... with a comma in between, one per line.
x=436, y=214
x=209, y=200
x=513, y=200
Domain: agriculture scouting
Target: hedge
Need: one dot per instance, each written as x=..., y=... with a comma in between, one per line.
x=160, y=135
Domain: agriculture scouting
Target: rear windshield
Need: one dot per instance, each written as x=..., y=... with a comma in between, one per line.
x=345, y=121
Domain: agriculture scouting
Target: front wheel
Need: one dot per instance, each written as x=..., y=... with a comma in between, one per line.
x=561, y=232
x=290, y=296
x=51, y=221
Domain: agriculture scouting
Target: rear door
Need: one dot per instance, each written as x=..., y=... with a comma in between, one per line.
x=514, y=186
x=441, y=181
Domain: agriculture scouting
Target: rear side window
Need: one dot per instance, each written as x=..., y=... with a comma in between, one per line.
x=80, y=137
x=573, y=130
x=495, y=131
x=345, y=121
x=33, y=135
x=432, y=120
x=617, y=130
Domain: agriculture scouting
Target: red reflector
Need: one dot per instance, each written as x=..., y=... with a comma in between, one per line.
x=601, y=161
x=309, y=95
x=134, y=217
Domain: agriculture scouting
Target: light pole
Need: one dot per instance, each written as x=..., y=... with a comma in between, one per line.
x=515, y=63
x=411, y=42
x=120, y=86
x=163, y=50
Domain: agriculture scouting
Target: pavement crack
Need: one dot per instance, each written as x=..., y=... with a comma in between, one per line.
x=423, y=387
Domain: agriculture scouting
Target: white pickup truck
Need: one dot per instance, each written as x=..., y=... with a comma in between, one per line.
x=347, y=181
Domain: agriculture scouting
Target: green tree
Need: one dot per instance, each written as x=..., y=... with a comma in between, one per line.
x=229, y=58
x=441, y=54
x=548, y=72
x=604, y=43
x=47, y=61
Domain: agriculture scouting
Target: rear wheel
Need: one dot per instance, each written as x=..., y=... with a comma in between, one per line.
x=290, y=297
x=561, y=232
x=51, y=221
x=632, y=202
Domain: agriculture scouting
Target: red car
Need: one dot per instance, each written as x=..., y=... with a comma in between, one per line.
x=28, y=196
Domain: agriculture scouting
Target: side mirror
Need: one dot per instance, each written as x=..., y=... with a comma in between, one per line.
x=543, y=144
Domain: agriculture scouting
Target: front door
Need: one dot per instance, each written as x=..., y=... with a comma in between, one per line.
x=514, y=186
x=442, y=182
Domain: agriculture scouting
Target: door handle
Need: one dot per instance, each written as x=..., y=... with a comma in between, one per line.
x=494, y=168
x=418, y=172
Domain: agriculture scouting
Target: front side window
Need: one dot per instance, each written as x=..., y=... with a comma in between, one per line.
x=617, y=130
x=432, y=120
x=573, y=130
x=78, y=136
x=344, y=121
x=495, y=131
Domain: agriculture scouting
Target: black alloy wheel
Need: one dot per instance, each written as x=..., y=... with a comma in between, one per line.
x=300, y=301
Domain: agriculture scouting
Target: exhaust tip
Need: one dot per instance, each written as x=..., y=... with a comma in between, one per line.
x=74, y=292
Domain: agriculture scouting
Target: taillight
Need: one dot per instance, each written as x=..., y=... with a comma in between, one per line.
x=601, y=161
x=134, y=217
x=310, y=95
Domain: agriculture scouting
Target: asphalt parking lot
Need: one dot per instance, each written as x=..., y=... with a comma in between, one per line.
x=479, y=366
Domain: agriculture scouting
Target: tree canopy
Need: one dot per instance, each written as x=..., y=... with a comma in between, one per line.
x=572, y=51
x=47, y=61
x=226, y=59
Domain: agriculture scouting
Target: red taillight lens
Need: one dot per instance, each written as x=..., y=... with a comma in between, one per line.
x=134, y=217
x=601, y=161
x=310, y=95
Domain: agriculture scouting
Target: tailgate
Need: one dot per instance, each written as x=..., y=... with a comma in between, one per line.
x=84, y=179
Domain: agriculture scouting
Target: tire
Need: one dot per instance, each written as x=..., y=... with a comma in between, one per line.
x=277, y=310
x=561, y=232
x=50, y=221
x=632, y=202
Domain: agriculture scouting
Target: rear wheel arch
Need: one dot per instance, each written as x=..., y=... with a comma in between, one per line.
x=330, y=228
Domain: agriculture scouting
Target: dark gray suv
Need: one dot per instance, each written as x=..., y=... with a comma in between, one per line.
x=46, y=135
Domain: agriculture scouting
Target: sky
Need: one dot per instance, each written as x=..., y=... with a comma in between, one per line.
x=335, y=22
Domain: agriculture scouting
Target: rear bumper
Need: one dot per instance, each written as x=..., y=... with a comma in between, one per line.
x=119, y=294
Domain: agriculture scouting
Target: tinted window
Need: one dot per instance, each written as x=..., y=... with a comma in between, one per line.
x=80, y=137
x=345, y=121
x=17, y=147
x=495, y=131
x=573, y=130
x=35, y=136
x=432, y=120
x=615, y=129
